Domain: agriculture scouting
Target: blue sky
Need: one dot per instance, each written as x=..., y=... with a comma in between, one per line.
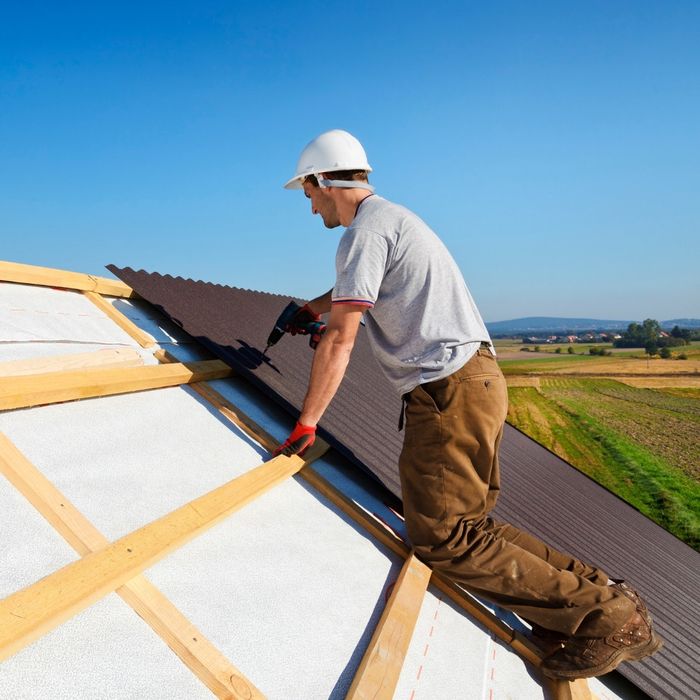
x=554, y=146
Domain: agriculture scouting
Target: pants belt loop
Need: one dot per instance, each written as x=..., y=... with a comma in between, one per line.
x=484, y=346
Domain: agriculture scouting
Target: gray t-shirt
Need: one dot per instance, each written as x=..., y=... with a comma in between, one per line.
x=421, y=320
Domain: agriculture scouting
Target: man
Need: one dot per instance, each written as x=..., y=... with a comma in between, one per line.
x=431, y=342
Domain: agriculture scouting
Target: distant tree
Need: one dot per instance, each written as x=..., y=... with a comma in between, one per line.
x=683, y=333
x=634, y=330
x=537, y=348
x=651, y=330
x=638, y=335
x=651, y=348
x=665, y=353
x=558, y=351
x=570, y=350
x=681, y=336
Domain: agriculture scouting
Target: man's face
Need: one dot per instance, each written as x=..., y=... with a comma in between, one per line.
x=322, y=203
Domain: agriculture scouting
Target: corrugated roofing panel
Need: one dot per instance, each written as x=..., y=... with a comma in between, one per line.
x=541, y=493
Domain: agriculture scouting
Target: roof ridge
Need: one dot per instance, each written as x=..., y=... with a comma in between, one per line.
x=129, y=270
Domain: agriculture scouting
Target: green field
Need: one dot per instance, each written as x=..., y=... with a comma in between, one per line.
x=642, y=444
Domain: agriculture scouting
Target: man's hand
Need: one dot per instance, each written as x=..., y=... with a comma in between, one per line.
x=302, y=437
x=306, y=322
x=299, y=323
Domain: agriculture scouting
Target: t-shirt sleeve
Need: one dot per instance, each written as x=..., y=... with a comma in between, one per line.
x=360, y=264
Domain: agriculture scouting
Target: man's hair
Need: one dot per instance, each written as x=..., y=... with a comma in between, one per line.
x=359, y=175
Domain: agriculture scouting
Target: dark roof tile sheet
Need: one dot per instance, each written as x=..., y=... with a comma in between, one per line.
x=540, y=493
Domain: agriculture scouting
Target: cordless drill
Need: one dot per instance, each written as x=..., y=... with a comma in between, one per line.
x=290, y=320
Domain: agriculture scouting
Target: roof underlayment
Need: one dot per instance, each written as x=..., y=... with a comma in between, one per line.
x=289, y=588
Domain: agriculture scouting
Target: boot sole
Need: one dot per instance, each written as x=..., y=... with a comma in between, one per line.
x=633, y=654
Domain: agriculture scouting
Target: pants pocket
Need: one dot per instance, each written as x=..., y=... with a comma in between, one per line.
x=421, y=468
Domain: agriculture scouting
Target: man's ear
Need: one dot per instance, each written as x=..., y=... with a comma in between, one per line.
x=327, y=190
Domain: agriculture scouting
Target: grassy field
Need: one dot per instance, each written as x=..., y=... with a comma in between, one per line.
x=639, y=442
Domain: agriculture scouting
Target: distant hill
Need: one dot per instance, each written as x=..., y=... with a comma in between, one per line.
x=682, y=323
x=540, y=324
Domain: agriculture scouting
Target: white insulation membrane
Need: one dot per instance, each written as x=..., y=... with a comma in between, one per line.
x=288, y=588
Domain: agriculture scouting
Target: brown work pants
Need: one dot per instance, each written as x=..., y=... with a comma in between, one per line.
x=450, y=482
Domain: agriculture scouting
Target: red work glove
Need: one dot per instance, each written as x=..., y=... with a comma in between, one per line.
x=298, y=442
x=300, y=320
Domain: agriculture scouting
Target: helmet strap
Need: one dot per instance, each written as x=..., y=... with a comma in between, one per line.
x=345, y=184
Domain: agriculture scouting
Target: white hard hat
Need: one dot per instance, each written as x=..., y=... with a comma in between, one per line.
x=331, y=151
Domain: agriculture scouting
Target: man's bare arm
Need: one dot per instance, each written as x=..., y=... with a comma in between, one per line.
x=322, y=304
x=331, y=360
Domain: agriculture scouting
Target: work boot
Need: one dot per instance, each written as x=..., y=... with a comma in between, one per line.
x=634, y=596
x=583, y=657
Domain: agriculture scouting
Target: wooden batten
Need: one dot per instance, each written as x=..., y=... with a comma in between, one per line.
x=381, y=665
x=126, y=324
x=55, y=387
x=48, y=277
x=580, y=690
x=567, y=690
x=191, y=646
x=36, y=609
x=108, y=357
